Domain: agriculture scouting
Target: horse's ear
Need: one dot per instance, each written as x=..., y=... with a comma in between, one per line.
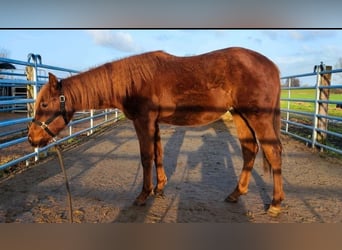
x=53, y=81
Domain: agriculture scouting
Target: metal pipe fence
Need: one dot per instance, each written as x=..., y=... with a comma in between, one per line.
x=19, y=87
x=316, y=125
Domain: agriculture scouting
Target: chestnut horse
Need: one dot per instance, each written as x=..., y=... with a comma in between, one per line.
x=157, y=87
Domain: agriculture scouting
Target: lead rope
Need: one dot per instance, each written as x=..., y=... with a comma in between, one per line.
x=61, y=163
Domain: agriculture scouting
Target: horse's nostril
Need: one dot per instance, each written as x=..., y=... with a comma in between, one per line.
x=29, y=138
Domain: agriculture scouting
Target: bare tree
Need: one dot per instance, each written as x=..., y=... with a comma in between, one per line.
x=3, y=65
x=295, y=82
x=338, y=65
x=4, y=53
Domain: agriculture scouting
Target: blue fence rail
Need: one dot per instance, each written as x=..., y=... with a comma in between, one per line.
x=19, y=86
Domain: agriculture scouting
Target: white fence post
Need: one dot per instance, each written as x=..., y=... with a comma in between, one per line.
x=91, y=122
x=288, y=106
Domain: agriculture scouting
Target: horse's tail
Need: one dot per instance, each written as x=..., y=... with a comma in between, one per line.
x=276, y=126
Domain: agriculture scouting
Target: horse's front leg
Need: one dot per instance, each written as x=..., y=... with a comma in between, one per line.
x=158, y=160
x=145, y=130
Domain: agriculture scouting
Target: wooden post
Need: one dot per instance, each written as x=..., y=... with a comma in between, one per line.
x=30, y=90
x=322, y=122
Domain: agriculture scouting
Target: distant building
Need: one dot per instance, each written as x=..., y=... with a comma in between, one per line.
x=5, y=90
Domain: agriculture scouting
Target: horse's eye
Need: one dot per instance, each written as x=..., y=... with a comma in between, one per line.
x=44, y=104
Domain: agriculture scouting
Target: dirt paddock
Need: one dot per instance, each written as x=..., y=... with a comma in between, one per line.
x=202, y=165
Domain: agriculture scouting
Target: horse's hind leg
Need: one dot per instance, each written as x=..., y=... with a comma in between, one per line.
x=266, y=129
x=249, y=147
x=271, y=145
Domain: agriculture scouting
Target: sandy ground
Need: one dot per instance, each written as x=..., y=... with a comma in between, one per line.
x=202, y=165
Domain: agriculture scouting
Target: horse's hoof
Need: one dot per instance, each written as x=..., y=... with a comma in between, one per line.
x=139, y=203
x=274, y=211
x=159, y=193
x=231, y=199
x=141, y=199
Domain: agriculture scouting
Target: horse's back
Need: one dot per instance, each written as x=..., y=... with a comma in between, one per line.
x=199, y=89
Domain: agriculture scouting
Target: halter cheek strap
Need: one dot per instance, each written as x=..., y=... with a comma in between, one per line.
x=44, y=126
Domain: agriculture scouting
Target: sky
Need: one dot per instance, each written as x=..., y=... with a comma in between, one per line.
x=295, y=51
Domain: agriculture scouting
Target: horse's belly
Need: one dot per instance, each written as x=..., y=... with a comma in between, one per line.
x=195, y=107
x=192, y=117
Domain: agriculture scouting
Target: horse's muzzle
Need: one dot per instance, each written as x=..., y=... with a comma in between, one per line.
x=37, y=143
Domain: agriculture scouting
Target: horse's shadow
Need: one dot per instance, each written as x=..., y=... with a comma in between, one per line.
x=199, y=179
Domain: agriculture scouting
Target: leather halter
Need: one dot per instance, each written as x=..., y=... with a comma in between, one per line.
x=62, y=112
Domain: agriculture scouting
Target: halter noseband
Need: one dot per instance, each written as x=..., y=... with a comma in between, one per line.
x=62, y=112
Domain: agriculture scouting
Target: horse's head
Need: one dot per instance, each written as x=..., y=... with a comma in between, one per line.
x=51, y=115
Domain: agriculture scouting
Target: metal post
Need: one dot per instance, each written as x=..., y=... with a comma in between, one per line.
x=106, y=115
x=91, y=121
x=288, y=106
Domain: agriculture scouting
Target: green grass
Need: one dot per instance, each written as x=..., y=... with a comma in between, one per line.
x=309, y=94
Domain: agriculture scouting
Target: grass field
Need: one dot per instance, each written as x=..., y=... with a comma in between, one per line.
x=309, y=94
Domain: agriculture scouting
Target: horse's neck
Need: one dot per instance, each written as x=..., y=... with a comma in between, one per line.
x=87, y=92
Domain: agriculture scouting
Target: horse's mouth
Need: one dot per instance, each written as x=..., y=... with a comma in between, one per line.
x=41, y=143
